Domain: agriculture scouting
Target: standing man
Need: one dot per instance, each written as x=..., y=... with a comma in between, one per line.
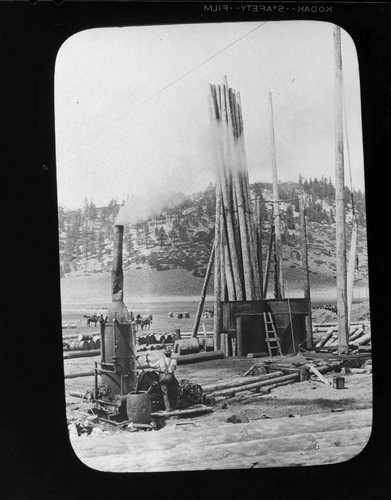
x=168, y=383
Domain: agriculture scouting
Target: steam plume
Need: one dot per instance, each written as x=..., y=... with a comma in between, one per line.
x=138, y=209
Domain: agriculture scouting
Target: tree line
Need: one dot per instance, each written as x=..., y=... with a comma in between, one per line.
x=86, y=233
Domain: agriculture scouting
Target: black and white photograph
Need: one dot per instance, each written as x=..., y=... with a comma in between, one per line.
x=213, y=246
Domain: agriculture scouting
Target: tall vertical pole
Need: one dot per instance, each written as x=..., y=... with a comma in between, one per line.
x=306, y=274
x=343, y=332
x=351, y=266
x=258, y=209
x=203, y=292
x=277, y=220
x=218, y=291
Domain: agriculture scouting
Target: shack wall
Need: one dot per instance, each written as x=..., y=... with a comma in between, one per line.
x=288, y=315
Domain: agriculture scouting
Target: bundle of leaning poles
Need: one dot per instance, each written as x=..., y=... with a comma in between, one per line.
x=237, y=246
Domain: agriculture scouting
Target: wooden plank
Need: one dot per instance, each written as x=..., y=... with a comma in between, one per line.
x=324, y=447
x=226, y=433
x=319, y=375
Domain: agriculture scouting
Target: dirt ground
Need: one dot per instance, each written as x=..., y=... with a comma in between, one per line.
x=291, y=400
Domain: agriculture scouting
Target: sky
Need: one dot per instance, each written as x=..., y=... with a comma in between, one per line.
x=132, y=112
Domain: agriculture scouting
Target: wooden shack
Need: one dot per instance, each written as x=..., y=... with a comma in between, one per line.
x=288, y=316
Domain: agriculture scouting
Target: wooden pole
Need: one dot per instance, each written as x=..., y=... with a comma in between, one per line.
x=218, y=285
x=343, y=330
x=221, y=137
x=277, y=220
x=249, y=212
x=258, y=209
x=351, y=266
x=239, y=336
x=268, y=261
x=203, y=293
x=306, y=274
x=229, y=278
x=240, y=202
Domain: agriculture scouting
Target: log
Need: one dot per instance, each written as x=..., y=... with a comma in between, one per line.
x=328, y=336
x=203, y=292
x=258, y=210
x=329, y=367
x=239, y=382
x=196, y=410
x=76, y=395
x=222, y=143
x=248, y=387
x=217, y=273
x=356, y=334
x=277, y=220
x=365, y=339
x=257, y=355
x=302, y=371
x=305, y=268
x=90, y=373
x=331, y=323
x=198, y=357
x=81, y=354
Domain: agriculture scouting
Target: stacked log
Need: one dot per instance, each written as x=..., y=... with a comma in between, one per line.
x=359, y=334
x=235, y=231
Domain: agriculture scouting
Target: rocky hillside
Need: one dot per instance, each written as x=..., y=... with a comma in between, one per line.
x=181, y=237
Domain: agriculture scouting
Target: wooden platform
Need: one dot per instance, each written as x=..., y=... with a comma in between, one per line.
x=324, y=438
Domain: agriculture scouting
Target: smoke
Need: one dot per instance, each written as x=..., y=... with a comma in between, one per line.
x=140, y=208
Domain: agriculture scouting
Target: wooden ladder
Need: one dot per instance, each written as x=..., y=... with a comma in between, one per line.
x=271, y=335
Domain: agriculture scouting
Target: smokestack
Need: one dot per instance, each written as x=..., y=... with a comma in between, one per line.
x=117, y=309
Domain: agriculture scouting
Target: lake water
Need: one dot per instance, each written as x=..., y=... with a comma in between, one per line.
x=161, y=307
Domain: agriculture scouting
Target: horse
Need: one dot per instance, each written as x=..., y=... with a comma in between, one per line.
x=92, y=318
x=146, y=321
x=143, y=321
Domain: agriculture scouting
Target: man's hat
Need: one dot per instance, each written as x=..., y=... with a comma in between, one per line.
x=167, y=351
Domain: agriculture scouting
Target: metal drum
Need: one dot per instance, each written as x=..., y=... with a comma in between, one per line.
x=338, y=382
x=207, y=344
x=138, y=407
x=187, y=346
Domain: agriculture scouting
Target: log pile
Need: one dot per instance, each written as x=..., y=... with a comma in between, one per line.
x=237, y=269
x=359, y=335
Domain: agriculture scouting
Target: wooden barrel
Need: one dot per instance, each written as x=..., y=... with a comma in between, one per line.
x=97, y=342
x=207, y=344
x=160, y=338
x=84, y=336
x=78, y=345
x=187, y=346
x=169, y=338
x=91, y=344
x=71, y=345
x=152, y=338
x=138, y=407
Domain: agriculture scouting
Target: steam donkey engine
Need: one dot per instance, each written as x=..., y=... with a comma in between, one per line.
x=117, y=369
